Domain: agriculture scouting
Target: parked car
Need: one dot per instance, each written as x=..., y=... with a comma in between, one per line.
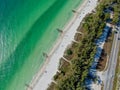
x=115, y=32
x=118, y=38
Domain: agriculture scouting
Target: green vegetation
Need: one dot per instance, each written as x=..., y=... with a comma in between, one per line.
x=116, y=82
x=116, y=6
x=69, y=52
x=72, y=76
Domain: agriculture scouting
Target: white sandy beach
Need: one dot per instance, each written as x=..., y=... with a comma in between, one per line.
x=44, y=77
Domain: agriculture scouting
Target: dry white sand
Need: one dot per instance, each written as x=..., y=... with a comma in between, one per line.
x=44, y=77
x=96, y=87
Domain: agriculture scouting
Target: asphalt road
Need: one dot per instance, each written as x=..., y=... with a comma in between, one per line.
x=110, y=72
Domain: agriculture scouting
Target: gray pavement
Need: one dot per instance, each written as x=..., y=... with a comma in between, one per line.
x=110, y=72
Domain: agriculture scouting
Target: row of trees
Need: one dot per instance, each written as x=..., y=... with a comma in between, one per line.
x=115, y=4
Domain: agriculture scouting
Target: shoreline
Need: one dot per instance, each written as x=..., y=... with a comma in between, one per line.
x=50, y=66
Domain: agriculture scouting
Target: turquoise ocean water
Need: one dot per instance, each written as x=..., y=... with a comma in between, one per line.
x=27, y=29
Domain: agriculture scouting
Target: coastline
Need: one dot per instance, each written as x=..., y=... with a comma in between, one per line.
x=44, y=76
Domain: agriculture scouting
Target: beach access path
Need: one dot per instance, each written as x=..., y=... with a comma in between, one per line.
x=44, y=77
